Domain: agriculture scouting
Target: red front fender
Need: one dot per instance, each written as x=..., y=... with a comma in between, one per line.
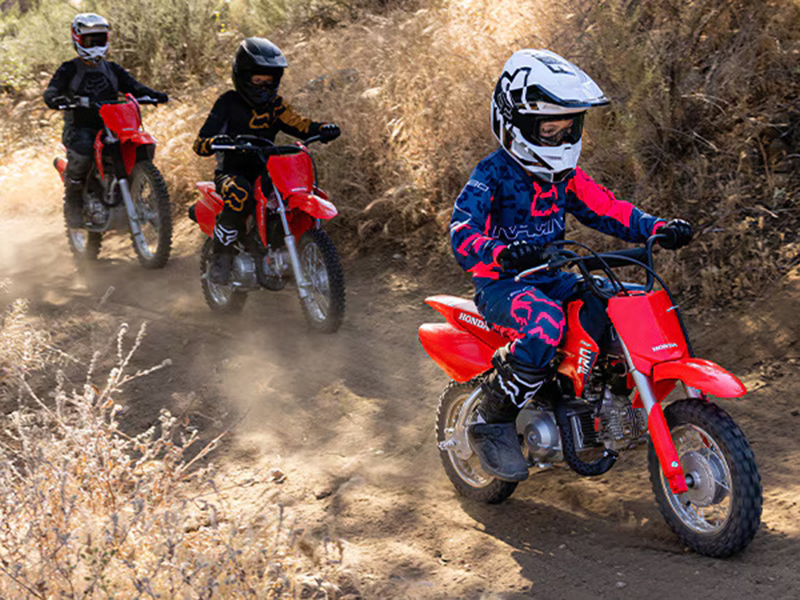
x=457, y=352
x=702, y=374
x=313, y=205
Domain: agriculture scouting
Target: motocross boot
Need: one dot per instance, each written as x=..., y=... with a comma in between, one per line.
x=494, y=437
x=73, y=203
x=221, y=264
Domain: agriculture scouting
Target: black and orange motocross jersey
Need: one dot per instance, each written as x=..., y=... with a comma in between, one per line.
x=233, y=116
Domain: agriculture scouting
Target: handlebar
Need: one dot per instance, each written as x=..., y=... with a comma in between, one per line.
x=83, y=102
x=262, y=146
x=606, y=261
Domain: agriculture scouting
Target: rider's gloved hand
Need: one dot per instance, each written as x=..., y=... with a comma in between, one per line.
x=83, y=101
x=160, y=97
x=59, y=103
x=678, y=233
x=329, y=132
x=520, y=255
x=222, y=140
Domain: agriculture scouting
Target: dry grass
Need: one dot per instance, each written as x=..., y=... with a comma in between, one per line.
x=704, y=124
x=87, y=510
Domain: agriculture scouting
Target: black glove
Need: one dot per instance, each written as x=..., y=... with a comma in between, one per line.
x=520, y=255
x=677, y=234
x=222, y=140
x=160, y=97
x=59, y=103
x=329, y=132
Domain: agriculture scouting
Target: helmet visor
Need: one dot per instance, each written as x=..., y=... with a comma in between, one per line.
x=550, y=130
x=94, y=40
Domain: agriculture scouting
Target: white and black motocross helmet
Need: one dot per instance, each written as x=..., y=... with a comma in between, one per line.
x=90, y=33
x=538, y=107
x=258, y=56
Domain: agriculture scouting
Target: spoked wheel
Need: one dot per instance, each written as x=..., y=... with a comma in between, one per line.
x=319, y=260
x=151, y=199
x=220, y=298
x=720, y=513
x=457, y=406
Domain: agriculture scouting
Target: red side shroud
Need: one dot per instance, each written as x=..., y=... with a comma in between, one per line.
x=463, y=346
x=61, y=166
x=579, y=348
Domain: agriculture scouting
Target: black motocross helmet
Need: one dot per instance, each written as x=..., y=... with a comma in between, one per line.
x=258, y=56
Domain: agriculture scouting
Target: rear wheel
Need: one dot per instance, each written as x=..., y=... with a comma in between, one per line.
x=319, y=261
x=457, y=406
x=151, y=200
x=720, y=513
x=220, y=298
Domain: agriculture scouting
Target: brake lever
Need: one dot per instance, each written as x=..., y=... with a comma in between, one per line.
x=548, y=266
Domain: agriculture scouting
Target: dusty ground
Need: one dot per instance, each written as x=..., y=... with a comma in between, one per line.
x=349, y=419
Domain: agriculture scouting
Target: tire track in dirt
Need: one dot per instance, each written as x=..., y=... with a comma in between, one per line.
x=349, y=419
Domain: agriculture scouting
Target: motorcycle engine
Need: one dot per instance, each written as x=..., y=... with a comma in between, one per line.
x=621, y=425
x=244, y=271
x=95, y=209
x=541, y=435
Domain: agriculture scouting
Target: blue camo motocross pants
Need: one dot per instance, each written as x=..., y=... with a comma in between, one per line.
x=532, y=314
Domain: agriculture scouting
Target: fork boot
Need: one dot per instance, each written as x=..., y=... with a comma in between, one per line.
x=495, y=440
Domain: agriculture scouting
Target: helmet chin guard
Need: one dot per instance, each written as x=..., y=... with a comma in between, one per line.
x=538, y=108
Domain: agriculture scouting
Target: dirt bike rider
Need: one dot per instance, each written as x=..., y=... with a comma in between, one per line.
x=256, y=109
x=87, y=79
x=514, y=203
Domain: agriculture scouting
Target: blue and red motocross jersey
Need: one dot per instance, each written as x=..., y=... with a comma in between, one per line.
x=502, y=203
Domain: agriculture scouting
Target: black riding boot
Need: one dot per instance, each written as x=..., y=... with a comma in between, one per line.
x=73, y=203
x=495, y=441
x=221, y=263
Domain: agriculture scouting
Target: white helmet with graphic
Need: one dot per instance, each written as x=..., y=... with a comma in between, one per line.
x=537, y=111
x=90, y=34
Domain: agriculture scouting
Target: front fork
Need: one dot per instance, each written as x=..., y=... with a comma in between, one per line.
x=302, y=284
x=659, y=430
x=125, y=190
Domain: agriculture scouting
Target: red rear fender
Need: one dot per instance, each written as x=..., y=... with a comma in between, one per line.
x=702, y=374
x=313, y=205
x=457, y=352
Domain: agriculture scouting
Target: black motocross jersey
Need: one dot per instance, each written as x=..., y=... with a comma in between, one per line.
x=103, y=81
x=232, y=115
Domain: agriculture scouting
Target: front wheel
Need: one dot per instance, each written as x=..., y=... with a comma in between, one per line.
x=151, y=200
x=457, y=406
x=324, y=304
x=720, y=513
x=220, y=298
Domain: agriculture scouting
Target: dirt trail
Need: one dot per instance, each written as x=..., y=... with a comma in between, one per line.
x=349, y=420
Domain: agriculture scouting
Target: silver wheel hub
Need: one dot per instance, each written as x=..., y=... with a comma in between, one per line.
x=456, y=443
x=707, y=506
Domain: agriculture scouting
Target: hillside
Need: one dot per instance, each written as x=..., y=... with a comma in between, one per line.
x=328, y=482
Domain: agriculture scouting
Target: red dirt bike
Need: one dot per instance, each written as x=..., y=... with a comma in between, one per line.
x=291, y=208
x=702, y=469
x=124, y=190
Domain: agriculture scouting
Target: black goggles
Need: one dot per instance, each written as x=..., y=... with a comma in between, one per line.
x=549, y=130
x=94, y=40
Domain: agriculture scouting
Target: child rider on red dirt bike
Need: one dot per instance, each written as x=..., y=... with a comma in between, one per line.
x=515, y=203
x=253, y=109
x=89, y=78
